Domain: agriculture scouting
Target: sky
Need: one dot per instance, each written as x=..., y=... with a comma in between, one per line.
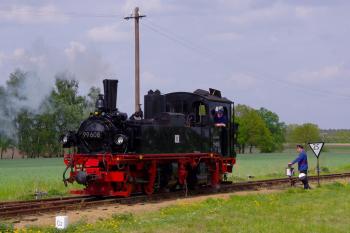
x=291, y=57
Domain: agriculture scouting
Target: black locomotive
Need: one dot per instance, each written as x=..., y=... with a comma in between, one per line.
x=178, y=122
x=184, y=139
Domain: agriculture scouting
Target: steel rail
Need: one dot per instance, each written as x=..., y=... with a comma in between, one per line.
x=9, y=203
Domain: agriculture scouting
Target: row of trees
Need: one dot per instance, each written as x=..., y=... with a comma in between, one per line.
x=303, y=134
x=263, y=129
x=259, y=128
x=35, y=132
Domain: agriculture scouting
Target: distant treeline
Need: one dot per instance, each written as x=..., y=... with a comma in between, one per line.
x=336, y=135
x=36, y=131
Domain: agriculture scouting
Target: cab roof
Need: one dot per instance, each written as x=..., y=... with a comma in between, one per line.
x=212, y=95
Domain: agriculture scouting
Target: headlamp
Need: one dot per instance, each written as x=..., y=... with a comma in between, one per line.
x=65, y=139
x=120, y=140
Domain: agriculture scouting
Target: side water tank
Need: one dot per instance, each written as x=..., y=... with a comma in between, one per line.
x=154, y=104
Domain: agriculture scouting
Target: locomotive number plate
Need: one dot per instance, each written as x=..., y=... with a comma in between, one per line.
x=91, y=134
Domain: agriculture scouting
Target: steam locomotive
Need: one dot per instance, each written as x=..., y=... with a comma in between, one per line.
x=184, y=140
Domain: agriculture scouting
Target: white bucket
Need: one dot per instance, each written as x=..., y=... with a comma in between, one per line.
x=290, y=171
x=61, y=222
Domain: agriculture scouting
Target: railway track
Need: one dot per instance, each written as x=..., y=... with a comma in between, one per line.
x=36, y=207
x=16, y=203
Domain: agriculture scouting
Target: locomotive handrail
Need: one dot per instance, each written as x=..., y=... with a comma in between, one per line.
x=69, y=165
x=64, y=176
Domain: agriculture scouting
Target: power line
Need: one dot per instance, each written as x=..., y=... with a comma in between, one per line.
x=41, y=13
x=320, y=92
x=181, y=38
x=175, y=39
x=213, y=56
x=194, y=47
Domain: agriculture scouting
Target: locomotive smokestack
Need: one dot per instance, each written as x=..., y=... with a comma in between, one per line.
x=110, y=87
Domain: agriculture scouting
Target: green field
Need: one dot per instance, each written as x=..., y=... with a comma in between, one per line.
x=325, y=209
x=335, y=159
x=20, y=178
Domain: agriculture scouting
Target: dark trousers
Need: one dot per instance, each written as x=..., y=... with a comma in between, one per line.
x=305, y=181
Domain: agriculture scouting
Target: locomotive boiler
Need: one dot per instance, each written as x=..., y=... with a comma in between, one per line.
x=180, y=140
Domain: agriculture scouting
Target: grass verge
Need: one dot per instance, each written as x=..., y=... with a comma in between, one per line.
x=325, y=209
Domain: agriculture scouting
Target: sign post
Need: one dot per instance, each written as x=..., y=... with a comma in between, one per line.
x=316, y=147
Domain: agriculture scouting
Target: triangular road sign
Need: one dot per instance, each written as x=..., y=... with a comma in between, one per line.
x=316, y=147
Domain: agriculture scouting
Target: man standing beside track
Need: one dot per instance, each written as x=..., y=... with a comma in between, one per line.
x=302, y=166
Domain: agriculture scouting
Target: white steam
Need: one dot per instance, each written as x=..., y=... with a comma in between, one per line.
x=41, y=65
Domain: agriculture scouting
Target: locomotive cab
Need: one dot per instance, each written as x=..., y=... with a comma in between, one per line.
x=199, y=110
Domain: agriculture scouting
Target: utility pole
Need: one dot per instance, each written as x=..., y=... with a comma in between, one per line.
x=136, y=16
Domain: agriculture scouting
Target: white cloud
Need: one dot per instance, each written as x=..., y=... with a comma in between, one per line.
x=107, y=33
x=23, y=57
x=324, y=74
x=237, y=5
x=2, y=58
x=85, y=64
x=74, y=49
x=226, y=36
x=303, y=11
x=19, y=52
x=241, y=81
x=272, y=13
x=260, y=14
x=28, y=14
x=151, y=80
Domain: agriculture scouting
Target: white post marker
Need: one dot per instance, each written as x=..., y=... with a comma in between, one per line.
x=316, y=147
x=61, y=222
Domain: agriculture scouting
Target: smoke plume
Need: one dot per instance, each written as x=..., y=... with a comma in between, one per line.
x=40, y=65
